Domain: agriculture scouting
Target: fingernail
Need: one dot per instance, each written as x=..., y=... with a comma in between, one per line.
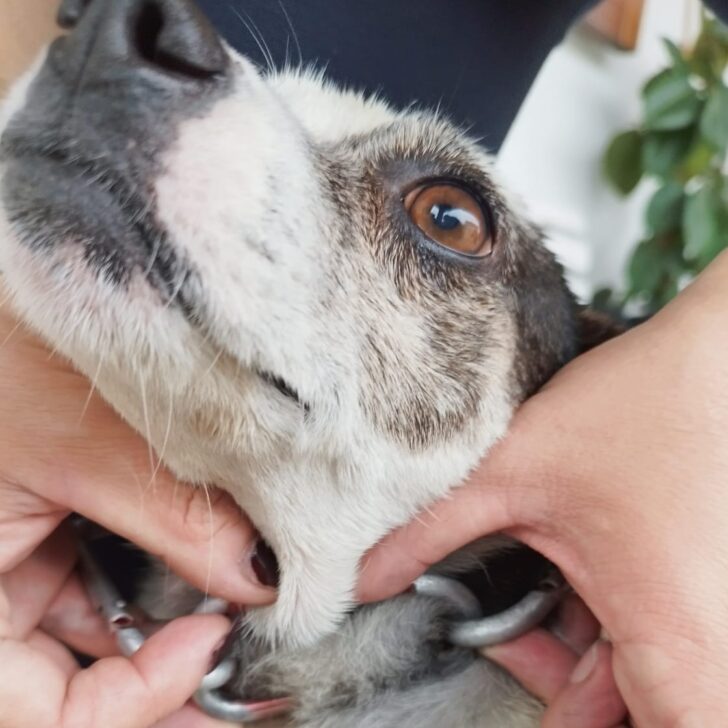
x=586, y=665
x=493, y=652
x=265, y=564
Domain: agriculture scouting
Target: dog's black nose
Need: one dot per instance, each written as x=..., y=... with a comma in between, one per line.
x=126, y=36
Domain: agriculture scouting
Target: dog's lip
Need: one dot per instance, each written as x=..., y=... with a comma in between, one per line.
x=68, y=164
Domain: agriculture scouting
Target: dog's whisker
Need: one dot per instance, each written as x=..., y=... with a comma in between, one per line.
x=153, y=466
x=211, y=547
x=6, y=299
x=10, y=334
x=68, y=335
x=293, y=33
x=91, y=391
x=259, y=41
x=165, y=441
x=214, y=362
x=153, y=257
x=176, y=289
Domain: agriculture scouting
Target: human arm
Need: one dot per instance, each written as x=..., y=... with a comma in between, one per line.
x=617, y=471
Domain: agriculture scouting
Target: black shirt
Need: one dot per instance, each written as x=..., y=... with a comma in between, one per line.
x=476, y=58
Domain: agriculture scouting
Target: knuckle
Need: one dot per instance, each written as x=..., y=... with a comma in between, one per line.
x=207, y=513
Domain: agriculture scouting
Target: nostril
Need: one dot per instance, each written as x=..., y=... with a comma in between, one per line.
x=146, y=32
x=180, y=48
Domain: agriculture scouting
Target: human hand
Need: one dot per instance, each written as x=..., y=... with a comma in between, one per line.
x=617, y=471
x=61, y=450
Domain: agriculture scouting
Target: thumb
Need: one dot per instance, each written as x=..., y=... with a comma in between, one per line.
x=114, y=692
x=479, y=507
x=510, y=490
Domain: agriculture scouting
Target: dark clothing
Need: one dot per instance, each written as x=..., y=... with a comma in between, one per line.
x=476, y=58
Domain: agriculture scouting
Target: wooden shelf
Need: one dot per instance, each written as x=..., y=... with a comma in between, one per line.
x=618, y=21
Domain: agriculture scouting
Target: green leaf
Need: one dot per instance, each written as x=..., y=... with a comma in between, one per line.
x=645, y=268
x=705, y=227
x=665, y=211
x=622, y=161
x=605, y=300
x=663, y=151
x=710, y=54
x=714, y=121
x=698, y=161
x=670, y=101
x=678, y=59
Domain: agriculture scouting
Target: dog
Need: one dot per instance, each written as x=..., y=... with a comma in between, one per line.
x=327, y=307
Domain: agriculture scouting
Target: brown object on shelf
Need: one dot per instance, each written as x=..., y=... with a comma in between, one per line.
x=618, y=21
x=25, y=26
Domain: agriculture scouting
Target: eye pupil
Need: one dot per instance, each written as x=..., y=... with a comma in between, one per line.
x=442, y=217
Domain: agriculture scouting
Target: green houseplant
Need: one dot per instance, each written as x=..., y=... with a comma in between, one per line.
x=681, y=145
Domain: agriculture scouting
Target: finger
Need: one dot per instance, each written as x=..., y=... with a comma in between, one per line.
x=591, y=698
x=32, y=586
x=94, y=464
x=115, y=692
x=158, y=680
x=55, y=651
x=396, y=562
x=72, y=619
x=201, y=535
x=538, y=660
x=575, y=625
x=26, y=520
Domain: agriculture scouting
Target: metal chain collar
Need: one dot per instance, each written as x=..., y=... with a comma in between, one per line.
x=470, y=630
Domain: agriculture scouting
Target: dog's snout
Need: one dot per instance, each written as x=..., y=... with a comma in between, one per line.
x=113, y=37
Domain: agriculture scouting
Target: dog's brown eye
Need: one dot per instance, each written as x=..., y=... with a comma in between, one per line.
x=450, y=216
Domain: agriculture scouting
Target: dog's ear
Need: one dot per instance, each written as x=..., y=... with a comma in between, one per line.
x=595, y=327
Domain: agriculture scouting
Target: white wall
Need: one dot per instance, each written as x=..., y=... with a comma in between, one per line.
x=586, y=92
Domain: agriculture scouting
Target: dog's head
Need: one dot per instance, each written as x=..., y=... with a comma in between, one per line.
x=324, y=306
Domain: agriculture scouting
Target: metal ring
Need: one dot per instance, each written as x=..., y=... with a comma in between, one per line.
x=218, y=676
x=449, y=590
x=213, y=703
x=514, y=621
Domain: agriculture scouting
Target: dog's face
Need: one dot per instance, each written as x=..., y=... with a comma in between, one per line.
x=326, y=307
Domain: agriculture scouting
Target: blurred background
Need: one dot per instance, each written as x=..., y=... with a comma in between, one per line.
x=597, y=212
x=618, y=152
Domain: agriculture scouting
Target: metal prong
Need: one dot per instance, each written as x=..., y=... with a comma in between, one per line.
x=217, y=705
x=107, y=599
x=513, y=622
x=451, y=591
